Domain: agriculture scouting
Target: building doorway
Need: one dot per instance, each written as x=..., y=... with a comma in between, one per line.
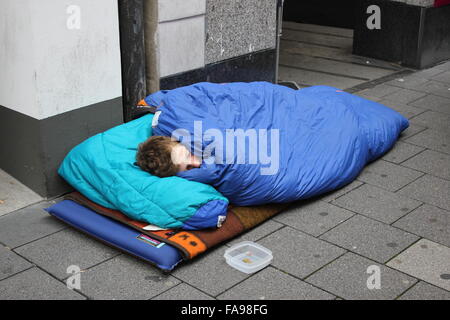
x=316, y=47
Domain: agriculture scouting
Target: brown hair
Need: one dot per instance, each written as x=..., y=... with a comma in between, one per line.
x=154, y=156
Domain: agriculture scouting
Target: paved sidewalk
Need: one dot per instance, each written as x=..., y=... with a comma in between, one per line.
x=395, y=216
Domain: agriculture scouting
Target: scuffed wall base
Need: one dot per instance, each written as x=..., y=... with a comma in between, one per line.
x=32, y=149
x=257, y=66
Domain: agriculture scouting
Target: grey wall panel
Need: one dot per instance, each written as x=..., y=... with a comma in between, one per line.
x=20, y=148
x=239, y=27
x=32, y=150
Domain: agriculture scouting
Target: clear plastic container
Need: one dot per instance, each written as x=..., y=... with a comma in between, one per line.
x=248, y=256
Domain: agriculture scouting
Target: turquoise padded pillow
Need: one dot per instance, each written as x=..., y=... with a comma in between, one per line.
x=102, y=168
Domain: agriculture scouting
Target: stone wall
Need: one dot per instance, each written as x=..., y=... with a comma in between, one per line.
x=239, y=27
x=195, y=33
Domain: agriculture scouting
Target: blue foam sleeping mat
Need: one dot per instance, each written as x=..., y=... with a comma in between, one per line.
x=117, y=234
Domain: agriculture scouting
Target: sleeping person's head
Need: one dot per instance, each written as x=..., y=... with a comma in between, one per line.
x=165, y=157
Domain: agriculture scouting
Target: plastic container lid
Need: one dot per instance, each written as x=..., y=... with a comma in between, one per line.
x=248, y=256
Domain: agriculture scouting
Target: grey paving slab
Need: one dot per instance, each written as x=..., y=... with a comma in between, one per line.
x=210, y=273
x=433, y=139
x=11, y=263
x=318, y=38
x=425, y=291
x=347, y=277
x=404, y=109
x=432, y=102
x=377, y=203
x=183, y=291
x=298, y=253
x=432, y=162
x=429, y=189
x=58, y=251
x=318, y=29
x=442, y=92
x=411, y=131
x=125, y=277
x=388, y=175
x=380, y=91
x=14, y=195
x=442, y=77
x=272, y=284
x=431, y=86
x=404, y=96
x=28, y=224
x=401, y=152
x=428, y=73
x=366, y=95
x=425, y=260
x=443, y=66
x=429, y=222
x=295, y=47
x=330, y=196
x=258, y=232
x=314, y=217
x=34, y=284
x=408, y=82
x=337, y=67
x=434, y=120
x=313, y=78
x=370, y=238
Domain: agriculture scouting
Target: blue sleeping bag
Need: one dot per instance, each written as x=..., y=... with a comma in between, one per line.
x=264, y=143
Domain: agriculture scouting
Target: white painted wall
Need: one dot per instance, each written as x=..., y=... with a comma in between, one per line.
x=177, y=9
x=181, y=35
x=47, y=69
